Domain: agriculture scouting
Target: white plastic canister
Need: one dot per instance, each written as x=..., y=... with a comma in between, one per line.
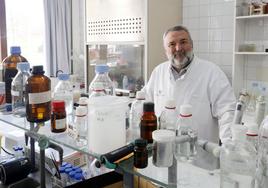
x=107, y=127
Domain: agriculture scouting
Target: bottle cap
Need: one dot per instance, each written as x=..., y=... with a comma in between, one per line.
x=186, y=109
x=68, y=165
x=71, y=174
x=78, y=170
x=102, y=68
x=78, y=176
x=163, y=135
x=170, y=104
x=58, y=104
x=148, y=107
x=81, y=111
x=83, y=101
x=141, y=142
x=64, y=164
x=252, y=129
x=140, y=95
x=23, y=66
x=62, y=169
x=38, y=69
x=68, y=170
x=15, y=50
x=63, y=76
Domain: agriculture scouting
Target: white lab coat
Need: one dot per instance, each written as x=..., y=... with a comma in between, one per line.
x=205, y=87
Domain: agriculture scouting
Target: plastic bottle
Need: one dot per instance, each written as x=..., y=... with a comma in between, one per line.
x=10, y=71
x=98, y=90
x=125, y=82
x=148, y=122
x=260, y=109
x=239, y=110
x=63, y=91
x=252, y=134
x=262, y=164
x=103, y=79
x=58, y=117
x=185, y=126
x=238, y=160
x=38, y=96
x=135, y=114
x=18, y=89
x=80, y=123
x=140, y=153
x=168, y=117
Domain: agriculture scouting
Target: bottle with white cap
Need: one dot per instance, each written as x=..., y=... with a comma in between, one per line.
x=81, y=126
x=18, y=89
x=238, y=160
x=185, y=126
x=252, y=133
x=135, y=116
x=260, y=109
x=168, y=117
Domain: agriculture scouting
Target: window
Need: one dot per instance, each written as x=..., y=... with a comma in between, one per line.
x=25, y=28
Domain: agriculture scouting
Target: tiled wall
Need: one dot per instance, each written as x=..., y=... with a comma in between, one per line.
x=211, y=23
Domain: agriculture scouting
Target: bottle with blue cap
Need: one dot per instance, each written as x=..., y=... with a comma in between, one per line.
x=102, y=79
x=10, y=71
x=18, y=89
x=64, y=91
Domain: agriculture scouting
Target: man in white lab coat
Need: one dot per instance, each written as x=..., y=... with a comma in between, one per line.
x=190, y=80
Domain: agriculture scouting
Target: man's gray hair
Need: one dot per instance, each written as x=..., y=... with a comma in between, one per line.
x=178, y=28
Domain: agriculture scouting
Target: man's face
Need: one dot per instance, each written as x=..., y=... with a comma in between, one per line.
x=178, y=47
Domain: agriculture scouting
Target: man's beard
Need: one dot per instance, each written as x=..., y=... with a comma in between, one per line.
x=180, y=64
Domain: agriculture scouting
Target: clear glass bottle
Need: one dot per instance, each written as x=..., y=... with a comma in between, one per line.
x=135, y=114
x=63, y=91
x=80, y=122
x=238, y=160
x=262, y=164
x=251, y=107
x=98, y=90
x=103, y=79
x=10, y=71
x=38, y=96
x=148, y=122
x=185, y=126
x=18, y=89
x=252, y=134
x=168, y=117
x=260, y=110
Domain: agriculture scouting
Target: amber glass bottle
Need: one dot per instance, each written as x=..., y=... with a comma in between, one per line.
x=58, y=117
x=10, y=70
x=148, y=121
x=140, y=153
x=38, y=96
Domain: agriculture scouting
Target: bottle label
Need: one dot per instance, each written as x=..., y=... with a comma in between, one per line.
x=60, y=123
x=39, y=98
x=15, y=93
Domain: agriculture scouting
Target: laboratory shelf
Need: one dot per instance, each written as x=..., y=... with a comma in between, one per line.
x=251, y=17
x=251, y=53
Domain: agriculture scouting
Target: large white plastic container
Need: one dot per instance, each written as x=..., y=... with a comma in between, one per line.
x=107, y=127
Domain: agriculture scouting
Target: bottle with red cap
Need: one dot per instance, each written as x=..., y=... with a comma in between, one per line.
x=58, y=116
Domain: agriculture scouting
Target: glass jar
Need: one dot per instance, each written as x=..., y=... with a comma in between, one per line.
x=58, y=116
x=140, y=153
x=163, y=147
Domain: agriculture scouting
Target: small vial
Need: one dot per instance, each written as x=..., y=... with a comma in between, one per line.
x=140, y=153
x=58, y=117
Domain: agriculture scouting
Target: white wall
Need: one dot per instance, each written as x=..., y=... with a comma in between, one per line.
x=211, y=23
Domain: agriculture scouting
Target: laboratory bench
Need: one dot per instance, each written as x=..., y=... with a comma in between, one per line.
x=130, y=176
